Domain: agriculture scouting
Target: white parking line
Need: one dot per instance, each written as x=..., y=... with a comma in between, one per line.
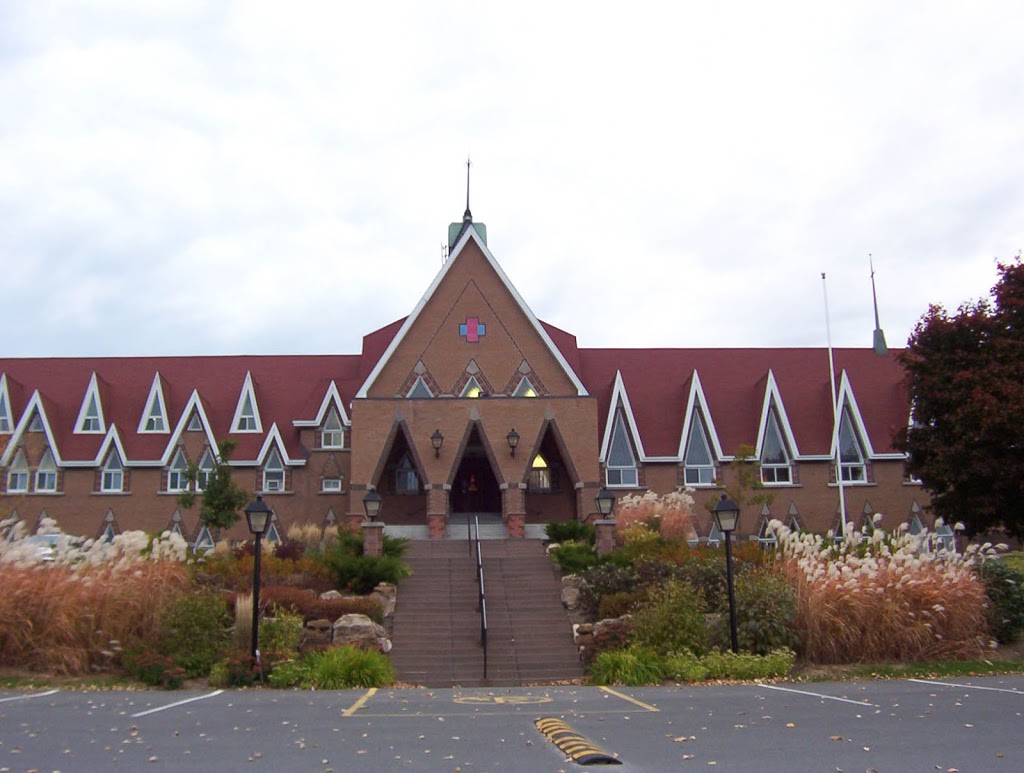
x=818, y=695
x=177, y=703
x=26, y=697
x=967, y=686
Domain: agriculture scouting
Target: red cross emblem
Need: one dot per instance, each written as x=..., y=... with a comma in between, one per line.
x=472, y=329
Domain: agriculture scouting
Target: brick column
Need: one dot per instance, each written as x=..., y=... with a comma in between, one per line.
x=437, y=511
x=605, y=535
x=373, y=538
x=513, y=509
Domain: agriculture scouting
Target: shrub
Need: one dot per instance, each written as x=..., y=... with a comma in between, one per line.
x=686, y=667
x=307, y=604
x=603, y=580
x=289, y=673
x=195, y=631
x=281, y=634
x=672, y=621
x=611, y=636
x=153, y=669
x=619, y=604
x=574, y=557
x=349, y=568
x=726, y=665
x=1004, y=586
x=669, y=515
x=634, y=666
x=765, y=613
x=571, y=531
x=237, y=670
x=339, y=668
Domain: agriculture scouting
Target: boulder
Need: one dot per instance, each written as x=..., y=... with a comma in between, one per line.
x=331, y=594
x=386, y=594
x=571, y=592
x=360, y=631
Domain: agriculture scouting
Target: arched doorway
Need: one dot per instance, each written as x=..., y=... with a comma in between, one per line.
x=550, y=484
x=475, y=488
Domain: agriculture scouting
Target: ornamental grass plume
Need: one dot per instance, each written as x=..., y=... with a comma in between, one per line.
x=877, y=596
x=669, y=515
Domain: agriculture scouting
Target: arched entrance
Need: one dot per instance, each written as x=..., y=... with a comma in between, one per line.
x=550, y=484
x=475, y=488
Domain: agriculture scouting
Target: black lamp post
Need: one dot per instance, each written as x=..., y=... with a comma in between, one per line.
x=513, y=440
x=371, y=503
x=605, y=501
x=727, y=516
x=258, y=516
x=436, y=440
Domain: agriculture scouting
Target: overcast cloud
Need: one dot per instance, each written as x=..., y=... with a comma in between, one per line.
x=204, y=177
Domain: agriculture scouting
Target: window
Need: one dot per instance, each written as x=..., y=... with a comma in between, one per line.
x=699, y=464
x=472, y=388
x=540, y=474
x=420, y=390
x=272, y=536
x=205, y=471
x=944, y=538
x=17, y=478
x=333, y=435
x=774, y=459
x=330, y=485
x=851, y=458
x=273, y=472
x=247, y=418
x=525, y=389
x=90, y=422
x=46, y=473
x=766, y=537
x=620, y=469
x=35, y=424
x=195, y=424
x=5, y=414
x=177, y=479
x=406, y=479
x=204, y=541
x=155, y=417
x=112, y=479
x=916, y=527
x=108, y=533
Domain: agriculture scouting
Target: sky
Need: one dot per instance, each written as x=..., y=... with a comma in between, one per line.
x=203, y=177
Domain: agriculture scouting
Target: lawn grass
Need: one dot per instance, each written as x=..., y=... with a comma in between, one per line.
x=82, y=683
x=934, y=670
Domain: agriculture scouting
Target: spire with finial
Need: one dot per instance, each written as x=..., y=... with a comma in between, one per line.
x=880, y=348
x=467, y=216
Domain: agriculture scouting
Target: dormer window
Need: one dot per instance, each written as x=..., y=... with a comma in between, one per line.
x=5, y=411
x=775, y=464
x=525, y=389
x=851, y=456
x=112, y=480
x=177, y=479
x=420, y=390
x=698, y=461
x=46, y=474
x=273, y=472
x=154, y=419
x=247, y=417
x=205, y=470
x=17, y=477
x=90, y=417
x=620, y=469
x=333, y=435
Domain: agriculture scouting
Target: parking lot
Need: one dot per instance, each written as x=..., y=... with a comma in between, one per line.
x=952, y=724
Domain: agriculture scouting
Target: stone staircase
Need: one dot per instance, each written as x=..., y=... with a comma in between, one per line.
x=436, y=629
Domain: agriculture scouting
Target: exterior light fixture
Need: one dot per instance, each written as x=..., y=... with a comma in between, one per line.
x=605, y=503
x=258, y=516
x=727, y=518
x=436, y=440
x=371, y=503
x=513, y=440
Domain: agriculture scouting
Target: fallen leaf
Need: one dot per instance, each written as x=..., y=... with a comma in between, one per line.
x=791, y=724
x=835, y=738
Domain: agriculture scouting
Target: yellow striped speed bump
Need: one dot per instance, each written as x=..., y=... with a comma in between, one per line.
x=572, y=744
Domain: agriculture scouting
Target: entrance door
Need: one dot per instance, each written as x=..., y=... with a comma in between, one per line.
x=475, y=489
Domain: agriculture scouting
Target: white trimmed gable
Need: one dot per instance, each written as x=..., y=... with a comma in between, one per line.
x=154, y=414
x=620, y=397
x=698, y=400
x=331, y=398
x=6, y=420
x=194, y=405
x=34, y=407
x=846, y=399
x=469, y=234
x=247, y=412
x=772, y=397
x=90, y=415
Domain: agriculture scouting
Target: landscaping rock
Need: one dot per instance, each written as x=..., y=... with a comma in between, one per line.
x=571, y=591
x=317, y=633
x=386, y=595
x=331, y=594
x=361, y=631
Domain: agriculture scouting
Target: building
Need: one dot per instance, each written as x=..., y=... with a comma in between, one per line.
x=469, y=404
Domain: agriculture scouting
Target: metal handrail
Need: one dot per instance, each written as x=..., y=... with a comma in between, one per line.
x=482, y=595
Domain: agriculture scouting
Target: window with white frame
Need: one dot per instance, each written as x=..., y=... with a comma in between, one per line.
x=195, y=424
x=620, y=469
x=155, y=416
x=851, y=456
x=91, y=419
x=330, y=485
x=35, y=424
x=273, y=472
x=177, y=477
x=698, y=461
x=247, y=417
x=775, y=463
x=204, y=540
x=406, y=479
x=112, y=479
x=108, y=533
x=17, y=476
x=472, y=388
x=46, y=473
x=420, y=390
x=5, y=414
x=205, y=470
x=540, y=474
x=333, y=435
x=525, y=389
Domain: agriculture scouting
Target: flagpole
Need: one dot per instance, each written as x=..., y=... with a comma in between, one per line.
x=835, y=411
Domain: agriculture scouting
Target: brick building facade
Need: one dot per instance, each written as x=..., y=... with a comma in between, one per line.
x=427, y=414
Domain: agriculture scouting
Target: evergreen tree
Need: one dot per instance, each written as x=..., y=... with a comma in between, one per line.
x=222, y=498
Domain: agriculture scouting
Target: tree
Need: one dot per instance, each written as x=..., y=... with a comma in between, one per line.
x=222, y=498
x=965, y=376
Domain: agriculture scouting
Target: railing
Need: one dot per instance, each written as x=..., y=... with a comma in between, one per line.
x=482, y=596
